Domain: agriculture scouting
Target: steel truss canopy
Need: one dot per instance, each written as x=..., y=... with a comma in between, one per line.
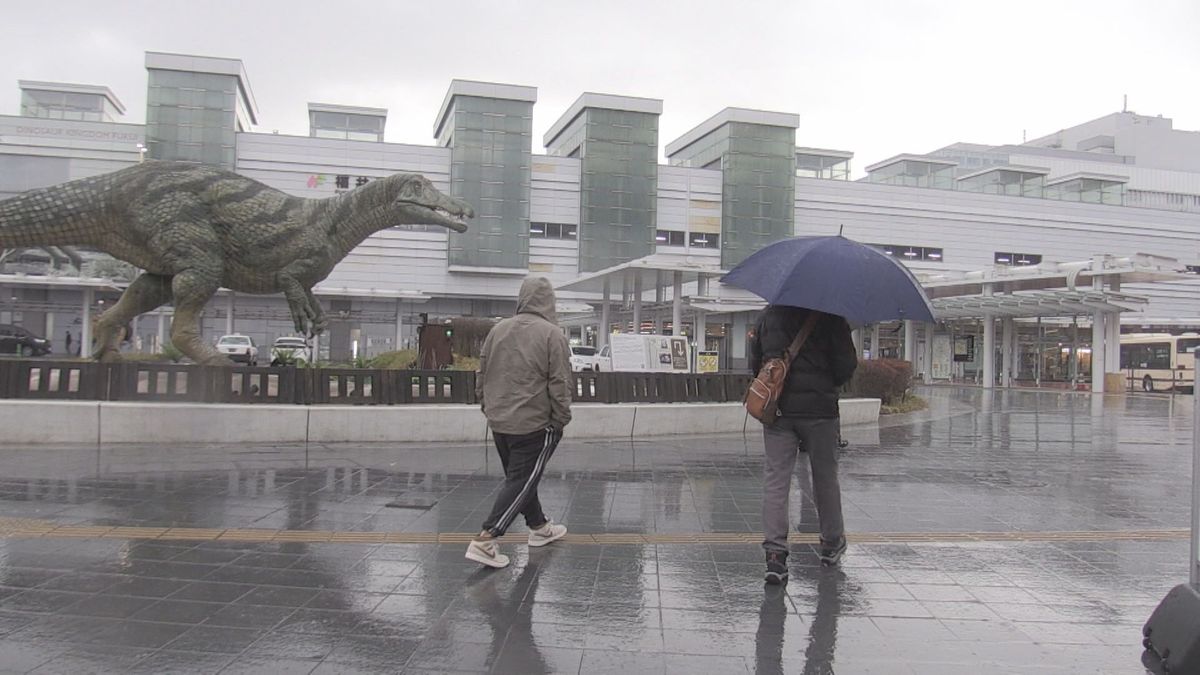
x=648, y=272
x=1138, y=268
x=1030, y=304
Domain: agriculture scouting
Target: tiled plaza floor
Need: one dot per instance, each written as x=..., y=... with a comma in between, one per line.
x=1014, y=532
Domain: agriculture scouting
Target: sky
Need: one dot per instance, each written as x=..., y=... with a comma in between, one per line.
x=877, y=78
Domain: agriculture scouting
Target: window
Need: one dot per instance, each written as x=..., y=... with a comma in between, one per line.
x=668, y=238
x=553, y=231
x=1153, y=355
x=1017, y=259
x=1186, y=345
x=704, y=240
x=912, y=253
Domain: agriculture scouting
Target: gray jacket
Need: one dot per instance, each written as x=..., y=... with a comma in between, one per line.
x=524, y=378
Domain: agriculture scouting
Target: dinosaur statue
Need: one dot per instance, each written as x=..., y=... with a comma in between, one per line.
x=196, y=228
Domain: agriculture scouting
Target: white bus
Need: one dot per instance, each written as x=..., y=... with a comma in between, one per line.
x=1160, y=361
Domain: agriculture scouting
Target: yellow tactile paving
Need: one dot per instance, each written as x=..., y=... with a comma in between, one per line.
x=19, y=528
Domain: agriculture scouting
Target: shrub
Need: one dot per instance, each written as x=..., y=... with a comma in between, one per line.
x=885, y=379
x=397, y=360
x=170, y=352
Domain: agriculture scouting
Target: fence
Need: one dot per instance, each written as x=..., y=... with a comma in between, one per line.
x=139, y=381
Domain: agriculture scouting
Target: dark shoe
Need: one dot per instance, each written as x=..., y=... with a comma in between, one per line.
x=831, y=554
x=777, y=570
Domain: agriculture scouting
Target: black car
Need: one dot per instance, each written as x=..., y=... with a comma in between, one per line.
x=17, y=340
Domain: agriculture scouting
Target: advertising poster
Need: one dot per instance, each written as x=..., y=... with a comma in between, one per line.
x=679, y=354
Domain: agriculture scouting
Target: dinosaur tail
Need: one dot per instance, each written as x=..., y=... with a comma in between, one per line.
x=61, y=215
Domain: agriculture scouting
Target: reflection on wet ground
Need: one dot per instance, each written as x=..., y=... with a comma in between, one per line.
x=1083, y=501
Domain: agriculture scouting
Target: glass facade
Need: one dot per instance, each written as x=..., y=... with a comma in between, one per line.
x=915, y=173
x=490, y=143
x=192, y=117
x=1002, y=182
x=1088, y=190
x=758, y=189
x=826, y=167
x=62, y=105
x=345, y=126
x=618, y=187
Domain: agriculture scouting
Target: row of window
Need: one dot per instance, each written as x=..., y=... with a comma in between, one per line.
x=1017, y=259
x=911, y=252
x=694, y=239
x=661, y=237
x=707, y=240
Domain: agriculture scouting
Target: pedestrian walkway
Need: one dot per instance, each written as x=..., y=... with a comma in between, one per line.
x=996, y=532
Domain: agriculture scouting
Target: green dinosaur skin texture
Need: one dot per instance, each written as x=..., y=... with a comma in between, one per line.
x=195, y=228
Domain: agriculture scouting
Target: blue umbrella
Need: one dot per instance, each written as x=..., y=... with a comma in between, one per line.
x=833, y=275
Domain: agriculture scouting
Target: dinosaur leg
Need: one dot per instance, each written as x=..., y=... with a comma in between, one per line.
x=319, y=323
x=192, y=290
x=147, y=292
x=307, y=315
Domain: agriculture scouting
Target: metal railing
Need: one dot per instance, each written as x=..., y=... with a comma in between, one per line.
x=167, y=382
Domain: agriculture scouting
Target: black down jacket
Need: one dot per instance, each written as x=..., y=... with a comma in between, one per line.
x=825, y=362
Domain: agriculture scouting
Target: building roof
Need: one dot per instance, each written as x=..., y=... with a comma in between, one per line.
x=66, y=87
x=728, y=115
x=1112, y=178
x=589, y=99
x=821, y=152
x=1014, y=168
x=511, y=92
x=910, y=158
x=207, y=64
x=347, y=109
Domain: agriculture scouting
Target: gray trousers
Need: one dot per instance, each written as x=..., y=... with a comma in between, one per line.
x=781, y=442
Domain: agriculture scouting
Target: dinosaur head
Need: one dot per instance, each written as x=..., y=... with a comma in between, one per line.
x=424, y=204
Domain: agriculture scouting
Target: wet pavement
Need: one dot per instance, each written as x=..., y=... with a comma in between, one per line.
x=1007, y=532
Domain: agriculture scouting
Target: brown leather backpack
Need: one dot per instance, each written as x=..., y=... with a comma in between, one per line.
x=762, y=396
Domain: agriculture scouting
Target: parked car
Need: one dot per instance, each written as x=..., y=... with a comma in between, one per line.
x=604, y=359
x=239, y=348
x=582, y=358
x=18, y=340
x=290, y=351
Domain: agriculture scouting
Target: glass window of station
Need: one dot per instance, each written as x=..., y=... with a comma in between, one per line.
x=909, y=252
x=1011, y=259
x=346, y=126
x=553, y=231
x=914, y=173
x=1012, y=182
x=64, y=105
x=823, y=164
x=1087, y=189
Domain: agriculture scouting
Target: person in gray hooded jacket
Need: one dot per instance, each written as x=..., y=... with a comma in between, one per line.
x=524, y=387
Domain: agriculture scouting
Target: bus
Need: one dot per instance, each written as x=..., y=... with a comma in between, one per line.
x=1160, y=361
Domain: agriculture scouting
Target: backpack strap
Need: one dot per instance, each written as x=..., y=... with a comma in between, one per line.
x=809, y=324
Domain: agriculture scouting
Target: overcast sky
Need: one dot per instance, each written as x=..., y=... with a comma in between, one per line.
x=877, y=78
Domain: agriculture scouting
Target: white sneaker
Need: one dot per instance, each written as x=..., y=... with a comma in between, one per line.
x=486, y=553
x=547, y=533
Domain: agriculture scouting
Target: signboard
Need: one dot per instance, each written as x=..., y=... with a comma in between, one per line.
x=706, y=362
x=649, y=353
x=964, y=349
x=942, y=359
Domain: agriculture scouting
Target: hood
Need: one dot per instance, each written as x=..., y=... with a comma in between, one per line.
x=537, y=297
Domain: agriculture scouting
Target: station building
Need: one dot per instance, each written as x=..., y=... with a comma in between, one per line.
x=1099, y=222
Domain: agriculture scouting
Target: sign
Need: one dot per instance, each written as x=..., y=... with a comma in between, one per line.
x=706, y=362
x=942, y=358
x=964, y=349
x=341, y=182
x=649, y=353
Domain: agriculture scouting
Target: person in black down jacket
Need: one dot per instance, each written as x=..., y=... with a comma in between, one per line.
x=808, y=416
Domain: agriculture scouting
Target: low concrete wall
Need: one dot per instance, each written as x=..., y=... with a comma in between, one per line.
x=89, y=422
